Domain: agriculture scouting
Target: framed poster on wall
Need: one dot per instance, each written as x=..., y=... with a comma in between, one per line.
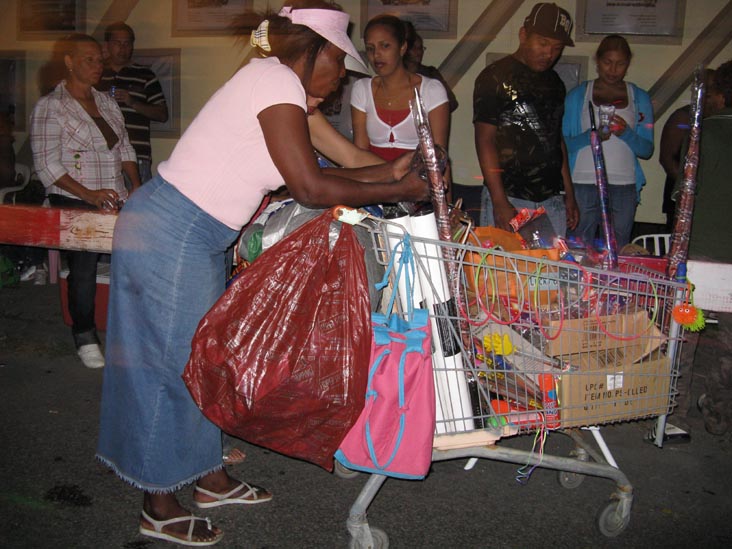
x=206, y=17
x=431, y=18
x=572, y=69
x=50, y=19
x=165, y=63
x=645, y=22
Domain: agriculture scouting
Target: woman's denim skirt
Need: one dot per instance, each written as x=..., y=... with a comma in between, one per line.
x=168, y=269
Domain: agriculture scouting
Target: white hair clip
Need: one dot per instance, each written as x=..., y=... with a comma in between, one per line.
x=260, y=36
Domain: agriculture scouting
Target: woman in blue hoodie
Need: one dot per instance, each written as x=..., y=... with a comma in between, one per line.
x=629, y=138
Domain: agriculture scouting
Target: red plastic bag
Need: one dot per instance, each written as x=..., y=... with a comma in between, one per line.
x=281, y=360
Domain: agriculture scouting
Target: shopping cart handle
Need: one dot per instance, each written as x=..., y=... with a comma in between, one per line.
x=346, y=214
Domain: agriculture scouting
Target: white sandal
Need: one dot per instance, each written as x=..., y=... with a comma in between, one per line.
x=158, y=533
x=249, y=497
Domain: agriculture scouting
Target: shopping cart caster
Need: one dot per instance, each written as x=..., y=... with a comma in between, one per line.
x=379, y=539
x=570, y=480
x=613, y=519
x=341, y=471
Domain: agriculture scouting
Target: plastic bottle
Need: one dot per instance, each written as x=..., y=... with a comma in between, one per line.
x=549, y=400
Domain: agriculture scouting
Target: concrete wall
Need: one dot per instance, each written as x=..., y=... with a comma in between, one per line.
x=206, y=62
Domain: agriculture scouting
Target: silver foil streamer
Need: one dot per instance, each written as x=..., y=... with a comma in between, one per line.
x=437, y=189
x=685, y=201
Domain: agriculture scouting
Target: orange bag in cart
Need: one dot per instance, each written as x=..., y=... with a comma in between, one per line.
x=489, y=275
x=281, y=359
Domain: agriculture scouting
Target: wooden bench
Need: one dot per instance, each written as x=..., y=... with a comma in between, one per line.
x=57, y=229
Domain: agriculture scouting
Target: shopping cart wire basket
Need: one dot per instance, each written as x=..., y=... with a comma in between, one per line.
x=525, y=344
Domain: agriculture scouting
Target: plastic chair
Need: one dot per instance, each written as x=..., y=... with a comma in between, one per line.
x=656, y=244
x=22, y=178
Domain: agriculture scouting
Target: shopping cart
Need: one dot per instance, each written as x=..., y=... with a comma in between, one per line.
x=524, y=344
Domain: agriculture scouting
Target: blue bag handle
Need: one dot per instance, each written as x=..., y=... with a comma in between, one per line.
x=405, y=269
x=412, y=340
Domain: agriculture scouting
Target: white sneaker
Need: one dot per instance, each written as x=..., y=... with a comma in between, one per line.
x=91, y=355
x=27, y=273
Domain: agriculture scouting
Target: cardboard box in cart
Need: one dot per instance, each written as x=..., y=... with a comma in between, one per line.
x=613, y=385
x=605, y=332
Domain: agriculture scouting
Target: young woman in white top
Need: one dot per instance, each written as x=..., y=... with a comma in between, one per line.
x=382, y=121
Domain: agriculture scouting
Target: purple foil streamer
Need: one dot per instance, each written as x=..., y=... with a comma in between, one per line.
x=611, y=245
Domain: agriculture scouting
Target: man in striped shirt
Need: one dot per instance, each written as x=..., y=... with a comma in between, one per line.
x=137, y=91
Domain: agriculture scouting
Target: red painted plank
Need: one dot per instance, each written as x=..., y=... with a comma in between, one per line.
x=62, y=228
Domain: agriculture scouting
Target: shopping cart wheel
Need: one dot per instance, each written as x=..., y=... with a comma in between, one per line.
x=381, y=540
x=611, y=520
x=341, y=471
x=570, y=481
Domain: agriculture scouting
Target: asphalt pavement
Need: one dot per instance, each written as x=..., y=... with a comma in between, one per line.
x=54, y=494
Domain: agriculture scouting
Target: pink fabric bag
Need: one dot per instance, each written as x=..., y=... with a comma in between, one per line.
x=393, y=435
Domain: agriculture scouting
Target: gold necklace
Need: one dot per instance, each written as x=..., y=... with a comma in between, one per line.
x=386, y=96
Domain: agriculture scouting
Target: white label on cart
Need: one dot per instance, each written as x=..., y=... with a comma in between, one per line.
x=546, y=282
x=615, y=381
